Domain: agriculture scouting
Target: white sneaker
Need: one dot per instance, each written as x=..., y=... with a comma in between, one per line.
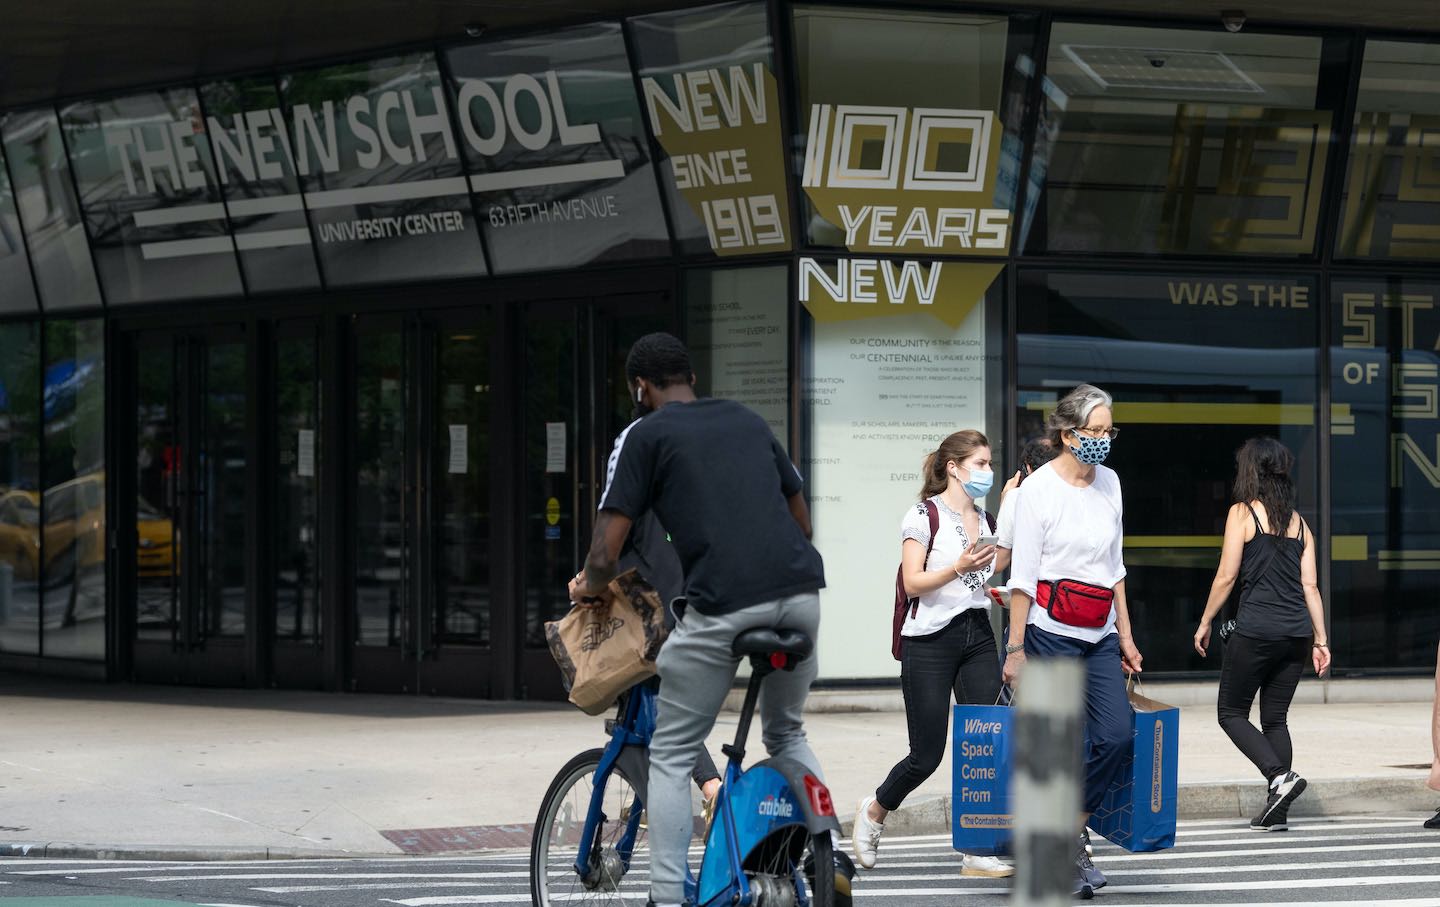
x=865, y=836
x=985, y=867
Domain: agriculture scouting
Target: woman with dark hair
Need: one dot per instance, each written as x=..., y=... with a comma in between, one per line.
x=1067, y=590
x=947, y=642
x=1280, y=624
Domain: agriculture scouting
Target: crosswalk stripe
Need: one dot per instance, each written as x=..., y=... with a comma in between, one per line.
x=494, y=899
x=1390, y=902
x=1294, y=827
x=262, y=876
x=378, y=886
x=1289, y=884
x=1227, y=869
x=1117, y=858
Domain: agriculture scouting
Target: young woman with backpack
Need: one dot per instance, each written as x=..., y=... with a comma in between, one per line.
x=945, y=641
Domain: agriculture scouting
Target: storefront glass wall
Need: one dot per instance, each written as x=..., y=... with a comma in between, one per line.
x=1385, y=470
x=1195, y=160
x=17, y=291
x=150, y=197
x=1191, y=382
x=713, y=104
x=20, y=534
x=260, y=185
x=562, y=172
x=72, y=506
x=45, y=201
x=1175, y=141
x=1392, y=190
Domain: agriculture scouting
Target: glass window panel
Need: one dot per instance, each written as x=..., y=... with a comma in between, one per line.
x=222, y=468
x=49, y=212
x=737, y=325
x=158, y=476
x=383, y=180
x=902, y=130
x=73, y=508
x=151, y=201
x=708, y=80
x=250, y=141
x=381, y=392
x=20, y=488
x=884, y=385
x=1197, y=365
x=1167, y=140
x=1392, y=187
x=461, y=470
x=297, y=490
x=551, y=127
x=17, y=291
x=1385, y=472
x=552, y=367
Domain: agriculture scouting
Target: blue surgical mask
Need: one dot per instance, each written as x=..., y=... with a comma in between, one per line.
x=1092, y=451
x=980, y=482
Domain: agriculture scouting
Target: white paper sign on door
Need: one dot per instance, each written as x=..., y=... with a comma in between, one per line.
x=459, y=448
x=554, y=446
x=305, y=455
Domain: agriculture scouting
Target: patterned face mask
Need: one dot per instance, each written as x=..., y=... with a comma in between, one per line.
x=1092, y=451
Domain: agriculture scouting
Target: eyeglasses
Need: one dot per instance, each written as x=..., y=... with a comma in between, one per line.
x=1098, y=432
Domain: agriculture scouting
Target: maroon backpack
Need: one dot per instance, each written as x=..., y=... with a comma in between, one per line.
x=904, y=603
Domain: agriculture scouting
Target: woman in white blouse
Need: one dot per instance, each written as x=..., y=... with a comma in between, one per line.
x=947, y=642
x=1067, y=589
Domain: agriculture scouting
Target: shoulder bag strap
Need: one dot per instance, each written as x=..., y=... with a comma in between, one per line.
x=933, y=514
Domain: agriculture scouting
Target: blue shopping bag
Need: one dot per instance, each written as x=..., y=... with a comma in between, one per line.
x=980, y=802
x=1139, y=809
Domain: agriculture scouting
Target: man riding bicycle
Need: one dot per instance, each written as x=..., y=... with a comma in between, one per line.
x=722, y=485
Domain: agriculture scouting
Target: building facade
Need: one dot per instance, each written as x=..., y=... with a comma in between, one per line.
x=308, y=375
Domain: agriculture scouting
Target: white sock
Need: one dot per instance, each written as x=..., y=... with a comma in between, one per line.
x=1275, y=781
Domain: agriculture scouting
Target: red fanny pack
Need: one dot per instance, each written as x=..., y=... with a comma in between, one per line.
x=1075, y=603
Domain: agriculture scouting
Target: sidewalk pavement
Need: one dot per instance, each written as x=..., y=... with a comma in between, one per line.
x=94, y=770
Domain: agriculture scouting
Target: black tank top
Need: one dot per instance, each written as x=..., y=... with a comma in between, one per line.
x=1272, y=601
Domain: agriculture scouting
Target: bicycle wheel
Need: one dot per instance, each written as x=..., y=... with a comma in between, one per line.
x=774, y=867
x=619, y=865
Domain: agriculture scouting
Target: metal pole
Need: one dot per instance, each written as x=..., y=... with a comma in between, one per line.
x=1045, y=782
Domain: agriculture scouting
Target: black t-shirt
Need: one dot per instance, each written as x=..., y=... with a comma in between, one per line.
x=718, y=480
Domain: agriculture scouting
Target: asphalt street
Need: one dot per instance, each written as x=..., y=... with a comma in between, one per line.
x=1377, y=860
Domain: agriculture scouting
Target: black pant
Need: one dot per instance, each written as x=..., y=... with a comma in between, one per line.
x=961, y=658
x=1272, y=667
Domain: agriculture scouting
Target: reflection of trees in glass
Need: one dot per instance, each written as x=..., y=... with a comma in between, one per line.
x=73, y=476
x=19, y=381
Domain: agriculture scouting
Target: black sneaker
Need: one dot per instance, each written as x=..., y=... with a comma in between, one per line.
x=1433, y=821
x=1092, y=876
x=1275, y=815
x=1083, y=889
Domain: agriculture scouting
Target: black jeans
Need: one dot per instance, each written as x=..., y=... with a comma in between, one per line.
x=1272, y=667
x=959, y=658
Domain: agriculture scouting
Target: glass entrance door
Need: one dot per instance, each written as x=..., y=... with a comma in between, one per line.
x=299, y=455
x=574, y=404
x=188, y=581
x=421, y=560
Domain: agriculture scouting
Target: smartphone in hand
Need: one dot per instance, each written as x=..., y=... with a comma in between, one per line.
x=986, y=539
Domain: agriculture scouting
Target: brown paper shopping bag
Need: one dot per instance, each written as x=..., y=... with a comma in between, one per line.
x=603, y=650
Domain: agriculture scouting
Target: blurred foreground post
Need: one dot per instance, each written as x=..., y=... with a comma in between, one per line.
x=1045, y=781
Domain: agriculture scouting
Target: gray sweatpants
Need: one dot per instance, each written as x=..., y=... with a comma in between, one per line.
x=696, y=670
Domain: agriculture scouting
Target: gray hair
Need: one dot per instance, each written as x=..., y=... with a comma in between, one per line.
x=1074, y=409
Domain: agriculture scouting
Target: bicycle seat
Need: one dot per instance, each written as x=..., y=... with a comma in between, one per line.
x=771, y=640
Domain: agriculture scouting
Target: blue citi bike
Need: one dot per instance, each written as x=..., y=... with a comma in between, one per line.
x=772, y=822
